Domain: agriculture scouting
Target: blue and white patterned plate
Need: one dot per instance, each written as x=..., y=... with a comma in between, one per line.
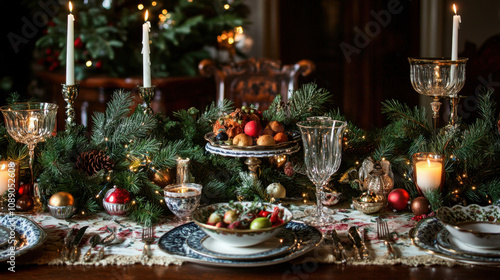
x=206, y=246
x=32, y=234
x=174, y=243
x=4, y=235
x=424, y=234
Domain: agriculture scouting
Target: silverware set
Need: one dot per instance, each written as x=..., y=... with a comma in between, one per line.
x=70, y=250
x=360, y=250
x=71, y=241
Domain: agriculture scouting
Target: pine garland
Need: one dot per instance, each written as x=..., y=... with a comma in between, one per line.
x=140, y=145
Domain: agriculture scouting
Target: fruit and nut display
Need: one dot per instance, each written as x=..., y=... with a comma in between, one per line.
x=246, y=127
x=254, y=216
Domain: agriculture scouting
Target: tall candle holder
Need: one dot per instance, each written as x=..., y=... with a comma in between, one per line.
x=428, y=172
x=147, y=94
x=438, y=78
x=70, y=93
x=30, y=123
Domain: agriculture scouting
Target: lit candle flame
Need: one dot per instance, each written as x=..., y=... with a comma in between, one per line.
x=146, y=16
x=31, y=124
x=429, y=162
x=3, y=166
x=70, y=7
x=455, y=8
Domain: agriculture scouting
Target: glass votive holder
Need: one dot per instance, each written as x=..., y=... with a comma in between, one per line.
x=428, y=172
x=182, y=199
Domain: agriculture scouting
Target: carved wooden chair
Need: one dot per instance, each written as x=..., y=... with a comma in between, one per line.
x=255, y=81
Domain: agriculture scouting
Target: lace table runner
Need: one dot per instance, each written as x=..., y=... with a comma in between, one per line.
x=127, y=247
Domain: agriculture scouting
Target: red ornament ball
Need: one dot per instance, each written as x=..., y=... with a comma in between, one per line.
x=398, y=199
x=117, y=195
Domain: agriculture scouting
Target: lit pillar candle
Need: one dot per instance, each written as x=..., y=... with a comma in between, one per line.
x=454, y=40
x=70, y=49
x=146, y=62
x=4, y=177
x=429, y=175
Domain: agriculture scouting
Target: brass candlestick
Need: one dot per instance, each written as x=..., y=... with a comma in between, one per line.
x=147, y=94
x=70, y=93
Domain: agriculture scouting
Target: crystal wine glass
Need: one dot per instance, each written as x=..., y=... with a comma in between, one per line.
x=438, y=78
x=322, y=140
x=183, y=199
x=30, y=123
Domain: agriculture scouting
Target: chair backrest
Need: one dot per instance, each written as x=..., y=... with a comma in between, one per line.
x=255, y=81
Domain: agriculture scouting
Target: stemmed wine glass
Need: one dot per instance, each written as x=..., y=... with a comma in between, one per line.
x=322, y=141
x=438, y=78
x=30, y=123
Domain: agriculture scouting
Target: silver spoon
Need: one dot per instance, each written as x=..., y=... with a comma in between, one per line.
x=94, y=241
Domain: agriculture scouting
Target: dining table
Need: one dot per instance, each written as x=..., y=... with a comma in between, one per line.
x=123, y=258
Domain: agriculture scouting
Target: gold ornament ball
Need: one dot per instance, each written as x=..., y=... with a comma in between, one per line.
x=420, y=206
x=61, y=199
x=164, y=177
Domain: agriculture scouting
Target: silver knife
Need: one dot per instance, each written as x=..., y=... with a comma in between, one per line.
x=342, y=256
x=68, y=239
x=78, y=238
x=359, y=245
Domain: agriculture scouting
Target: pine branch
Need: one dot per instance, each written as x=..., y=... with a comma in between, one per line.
x=397, y=111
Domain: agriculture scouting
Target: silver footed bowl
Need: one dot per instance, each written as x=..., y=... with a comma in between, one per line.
x=473, y=225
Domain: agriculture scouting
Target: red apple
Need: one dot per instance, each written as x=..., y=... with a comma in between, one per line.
x=252, y=129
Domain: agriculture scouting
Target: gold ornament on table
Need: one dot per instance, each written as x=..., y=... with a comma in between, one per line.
x=70, y=93
x=147, y=94
x=62, y=205
x=369, y=202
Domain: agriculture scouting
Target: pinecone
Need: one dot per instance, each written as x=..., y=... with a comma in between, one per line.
x=93, y=161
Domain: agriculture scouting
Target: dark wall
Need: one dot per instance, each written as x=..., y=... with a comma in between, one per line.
x=360, y=49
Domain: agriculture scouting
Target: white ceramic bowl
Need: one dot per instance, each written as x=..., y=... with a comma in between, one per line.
x=473, y=225
x=238, y=237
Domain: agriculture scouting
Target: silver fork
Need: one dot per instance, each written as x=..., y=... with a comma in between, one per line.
x=383, y=234
x=148, y=237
